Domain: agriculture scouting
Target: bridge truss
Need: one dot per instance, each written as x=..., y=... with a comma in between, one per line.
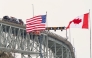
x=13, y=38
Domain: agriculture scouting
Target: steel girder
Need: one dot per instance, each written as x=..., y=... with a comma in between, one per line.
x=14, y=39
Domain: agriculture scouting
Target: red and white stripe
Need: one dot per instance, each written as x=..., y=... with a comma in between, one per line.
x=34, y=20
x=34, y=24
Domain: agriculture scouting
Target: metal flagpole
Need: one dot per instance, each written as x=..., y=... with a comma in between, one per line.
x=70, y=35
x=32, y=36
x=73, y=46
x=39, y=37
x=66, y=35
x=33, y=9
x=46, y=20
x=90, y=31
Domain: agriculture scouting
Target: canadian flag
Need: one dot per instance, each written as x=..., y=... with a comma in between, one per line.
x=79, y=22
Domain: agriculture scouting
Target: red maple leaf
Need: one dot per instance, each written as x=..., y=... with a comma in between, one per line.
x=77, y=21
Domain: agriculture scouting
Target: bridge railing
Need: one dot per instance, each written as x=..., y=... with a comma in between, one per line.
x=15, y=39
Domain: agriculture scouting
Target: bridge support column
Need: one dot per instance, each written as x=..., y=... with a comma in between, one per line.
x=47, y=46
x=0, y=34
x=40, y=41
x=32, y=37
x=28, y=44
x=62, y=51
x=55, y=48
x=67, y=53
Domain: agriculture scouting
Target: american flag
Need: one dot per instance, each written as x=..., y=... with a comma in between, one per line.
x=37, y=23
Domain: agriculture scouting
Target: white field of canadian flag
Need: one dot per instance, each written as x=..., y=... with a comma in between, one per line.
x=81, y=21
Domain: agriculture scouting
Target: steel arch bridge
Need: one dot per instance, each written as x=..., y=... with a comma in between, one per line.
x=13, y=38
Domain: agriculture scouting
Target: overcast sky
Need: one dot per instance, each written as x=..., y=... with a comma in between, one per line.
x=59, y=13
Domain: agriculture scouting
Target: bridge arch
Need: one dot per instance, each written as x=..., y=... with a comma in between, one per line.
x=55, y=45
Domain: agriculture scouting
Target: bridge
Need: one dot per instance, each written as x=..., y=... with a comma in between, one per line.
x=13, y=38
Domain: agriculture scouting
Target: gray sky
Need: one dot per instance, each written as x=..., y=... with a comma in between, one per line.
x=59, y=13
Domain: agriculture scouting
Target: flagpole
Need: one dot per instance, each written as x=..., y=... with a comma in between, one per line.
x=46, y=20
x=32, y=32
x=66, y=35
x=70, y=35
x=74, y=47
x=90, y=32
x=33, y=9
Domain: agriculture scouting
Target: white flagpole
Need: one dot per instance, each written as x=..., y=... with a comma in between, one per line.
x=73, y=43
x=46, y=20
x=90, y=32
x=70, y=35
x=33, y=9
x=74, y=48
x=66, y=35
